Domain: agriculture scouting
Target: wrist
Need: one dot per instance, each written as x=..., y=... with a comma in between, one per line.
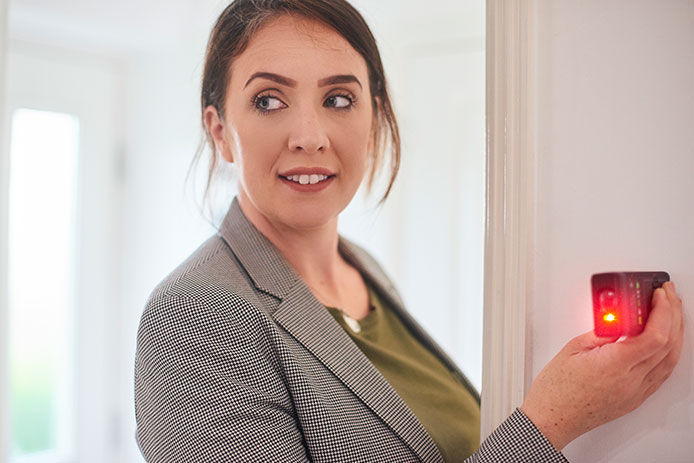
x=553, y=428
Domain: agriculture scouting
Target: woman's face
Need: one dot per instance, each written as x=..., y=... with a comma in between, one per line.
x=298, y=111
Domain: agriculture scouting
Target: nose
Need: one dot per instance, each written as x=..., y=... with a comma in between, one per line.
x=308, y=134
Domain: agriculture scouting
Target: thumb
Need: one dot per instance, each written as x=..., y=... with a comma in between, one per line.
x=589, y=340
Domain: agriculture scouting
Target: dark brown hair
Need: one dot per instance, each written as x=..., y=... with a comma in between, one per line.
x=234, y=29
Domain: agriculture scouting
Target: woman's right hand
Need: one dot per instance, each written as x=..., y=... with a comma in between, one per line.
x=594, y=380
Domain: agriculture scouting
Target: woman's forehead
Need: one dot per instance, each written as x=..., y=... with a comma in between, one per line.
x=299, y=48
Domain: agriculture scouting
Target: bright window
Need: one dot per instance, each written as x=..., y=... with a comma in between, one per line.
x=43, y=173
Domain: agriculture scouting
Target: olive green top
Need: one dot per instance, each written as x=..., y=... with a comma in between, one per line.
x=437, y=397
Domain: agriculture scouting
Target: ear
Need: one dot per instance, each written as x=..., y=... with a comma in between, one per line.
x=215, y=127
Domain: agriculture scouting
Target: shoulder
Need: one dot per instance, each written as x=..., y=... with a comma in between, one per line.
x=208, y=291
x=205, y=312
x=210, y=270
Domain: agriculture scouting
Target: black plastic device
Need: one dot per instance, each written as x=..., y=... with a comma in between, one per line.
x=622, y=301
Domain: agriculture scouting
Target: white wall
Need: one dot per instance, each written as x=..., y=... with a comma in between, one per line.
x=615, y=169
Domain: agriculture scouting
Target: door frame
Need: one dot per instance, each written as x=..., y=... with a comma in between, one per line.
x=510, y=207
x=4, y=211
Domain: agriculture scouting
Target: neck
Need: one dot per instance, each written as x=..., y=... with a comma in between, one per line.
x=313, y=253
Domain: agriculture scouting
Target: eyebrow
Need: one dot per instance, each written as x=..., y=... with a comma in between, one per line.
x=339, y=79
x=286, y=81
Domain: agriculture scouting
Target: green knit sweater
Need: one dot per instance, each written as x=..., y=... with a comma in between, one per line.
x=439, y=399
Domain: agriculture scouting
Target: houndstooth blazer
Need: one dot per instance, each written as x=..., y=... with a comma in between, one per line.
x=237, y=361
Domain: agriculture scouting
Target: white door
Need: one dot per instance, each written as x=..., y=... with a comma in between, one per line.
x=61, y=285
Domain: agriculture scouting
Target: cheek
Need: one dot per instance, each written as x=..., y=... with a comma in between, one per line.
x=259, y=148
x=351, y=140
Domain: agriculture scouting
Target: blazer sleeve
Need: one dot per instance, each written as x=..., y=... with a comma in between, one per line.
x=206, y=389
x=517, y=440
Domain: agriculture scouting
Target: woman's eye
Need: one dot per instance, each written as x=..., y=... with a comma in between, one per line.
x=268, y=103
x=339, y=101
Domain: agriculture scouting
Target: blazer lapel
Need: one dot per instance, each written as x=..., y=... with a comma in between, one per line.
x=305, y=318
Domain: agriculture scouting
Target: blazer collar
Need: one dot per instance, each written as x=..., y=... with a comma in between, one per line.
x=264, y=263
x=307, y=320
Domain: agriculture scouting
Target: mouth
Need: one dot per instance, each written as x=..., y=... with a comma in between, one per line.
x=305, y=179
x=305, y=184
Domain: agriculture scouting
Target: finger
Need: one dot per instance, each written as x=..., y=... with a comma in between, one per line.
x=652, y=343
x=645, y=366
x=657, y=376
x=672, y=295
x=675, y=302
x=652, y=388
x=668, y=361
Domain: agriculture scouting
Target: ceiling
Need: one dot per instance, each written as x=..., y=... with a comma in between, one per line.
x=143, y=26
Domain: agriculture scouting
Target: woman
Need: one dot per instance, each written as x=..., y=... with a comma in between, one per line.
x=279, y=340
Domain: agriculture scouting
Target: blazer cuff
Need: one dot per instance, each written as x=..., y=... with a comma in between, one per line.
x=518, y=440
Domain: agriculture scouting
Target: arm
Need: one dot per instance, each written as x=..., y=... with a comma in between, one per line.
x=592, y=380
x=206, y=389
